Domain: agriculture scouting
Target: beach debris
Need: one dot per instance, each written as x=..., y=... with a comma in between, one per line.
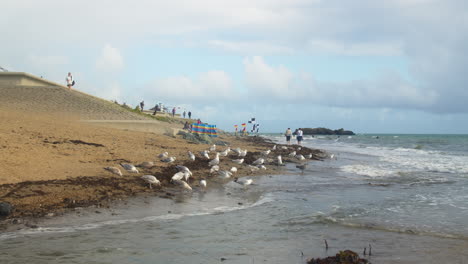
x=280, y=160
x=5, y=209
x=204, y=154
x=146, y=164
x=265, y=153
x=169, y=159
x=326, y=244
x=203, y=183
x=238, y=161
x=308, y=156
x=114, y=170
x=214, y=161
x=302, y=167
x=274, y=147
x=213, y=147
x=225, y=152
x=243, y=182
x=300, y=157
x=262, y=167
x=163, y=155
x=182, y=184
x=225, y=174
x=370, y=250
x=292, y=154
x=129, y=167
x=214, y=168
x=258, y=161
x=233, y=170
x=364, y=252
x=191, y=156
x=347, y=256
x=253, y=168
x=150, y=179
x=243, y=153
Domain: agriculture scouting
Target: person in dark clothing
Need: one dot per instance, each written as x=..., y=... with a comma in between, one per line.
x=142, y=104
x=190, y=115
x=156, y=109
x=173, y=112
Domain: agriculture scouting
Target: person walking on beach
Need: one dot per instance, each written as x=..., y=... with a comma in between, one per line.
x=173, y=112
x=299, y=134
x=184, y=114
x=190, y=115
x=156, y=109
x=288, y=135
x=70, y=81
x=142, y=104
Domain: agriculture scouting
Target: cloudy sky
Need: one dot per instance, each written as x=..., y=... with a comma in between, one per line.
x=395, y=66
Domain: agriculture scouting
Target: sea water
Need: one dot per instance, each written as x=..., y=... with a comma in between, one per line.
x=405, y=195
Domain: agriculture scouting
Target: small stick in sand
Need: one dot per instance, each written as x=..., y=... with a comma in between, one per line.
x=364, y=253
x=370, y=250
x=326, y=244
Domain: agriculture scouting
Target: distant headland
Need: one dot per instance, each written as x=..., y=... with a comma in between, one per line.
x=326, y=131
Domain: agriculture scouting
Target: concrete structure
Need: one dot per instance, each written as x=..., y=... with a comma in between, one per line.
x=11, y=79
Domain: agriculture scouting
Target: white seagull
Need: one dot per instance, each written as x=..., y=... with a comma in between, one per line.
x=215, y=168
x=280, y=160
x=258, y=161
x=225, y=174
x=203, y=183
x=146, y=164
x=284, y=147
x=243, y=182
x=225, y=152
x=300, y=157
x=308, y=156
x=163, y=155
x=233, y=170
x=243, y=153
x=183, y=169
x=292, y=154
x=182, y=184
x=129, y=167
x=236, y=150
x=169, y=160
x=262, y=167
x=151, y=180
x=205, y=154
x=114, y=170
x=214, y=161
x=252, y=168
x=238, y=161
x=191, y=156
x=274, y=147
x=213, y=148
x=178, y=176
x=265, y=153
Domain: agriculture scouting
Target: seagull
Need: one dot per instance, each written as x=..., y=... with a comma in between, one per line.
x=225, y=152
x=178, y=176
x=258, y=161
x=225, y=174
x=299, y=148
x=151, y=180
x=292, y=154
x=214, y=161
x=243, y=182
x=205, y=154
x=203, y=183
x=114, y=170
x=163, y=155
x=183, y=169
x=274, y=147
x=261, y=167
x=169, y=160
x=300, y=157
x=253, y=168
x=243, y=153
x=182, y=184
x=146, y=164
x=265, y=153
x=233, y=169
x=191, y=156
x=332, y=156
x=280, y=160
x=302, y=167
x=129, y=167
x=309, y=156
x=213, y=148
x=284, y=147
x=214, y=169
x=238, y=161
x=237, y=150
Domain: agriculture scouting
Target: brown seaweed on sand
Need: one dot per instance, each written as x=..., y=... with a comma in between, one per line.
x=343, y=257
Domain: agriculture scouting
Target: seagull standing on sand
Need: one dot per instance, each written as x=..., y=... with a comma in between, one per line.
x=213, y=148
x=169, y=160
x=309, y=156
x=300, y=157
x=238, y=161
x=178, y=176
x=274, y=147
x=129, y=167
x=182, y=184
x=163, y=155
x=253, y=168
x=214, y=161
x=146, y=164
x=225, y=174
x=243, y=153
x=284, y=147
x=302, y=167
x=114, y=170
x=215, y=168
x=258, y=161
x=191, y=156
x=265, y=153
x=183, y=169
x=236, y=150
x=280, y=160
x=225, y=152
x=233, y=170
x=262, y=167
x=151, y=180
x=205, y=154
x=203, y=183
x=243, y=182
x=292, y=154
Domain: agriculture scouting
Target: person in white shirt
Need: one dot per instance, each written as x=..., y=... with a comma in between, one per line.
x=288, y=135
x=299, y=136
x=69, y=80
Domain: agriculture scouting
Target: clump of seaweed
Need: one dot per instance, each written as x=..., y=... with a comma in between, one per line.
x=343, y=257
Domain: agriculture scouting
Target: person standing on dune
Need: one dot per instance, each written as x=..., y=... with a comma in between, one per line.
x=70, y=81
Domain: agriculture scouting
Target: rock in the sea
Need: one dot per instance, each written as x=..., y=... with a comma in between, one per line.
x=343, y=257
x=5, y=209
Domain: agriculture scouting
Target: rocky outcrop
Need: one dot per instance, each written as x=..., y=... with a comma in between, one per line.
x=327, y=131
x=5, y=209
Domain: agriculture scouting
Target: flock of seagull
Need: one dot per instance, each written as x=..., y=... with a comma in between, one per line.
x=181, y=178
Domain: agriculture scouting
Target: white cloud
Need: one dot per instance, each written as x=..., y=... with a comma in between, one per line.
x=319, y=46
x=110, y=60
x=250, y=47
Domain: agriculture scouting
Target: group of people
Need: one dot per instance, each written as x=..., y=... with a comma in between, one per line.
x=299, y=135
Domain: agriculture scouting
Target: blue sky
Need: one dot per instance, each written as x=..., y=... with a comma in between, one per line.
x=394, y=66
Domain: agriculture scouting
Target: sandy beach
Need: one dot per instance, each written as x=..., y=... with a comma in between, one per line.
x=53, y=159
